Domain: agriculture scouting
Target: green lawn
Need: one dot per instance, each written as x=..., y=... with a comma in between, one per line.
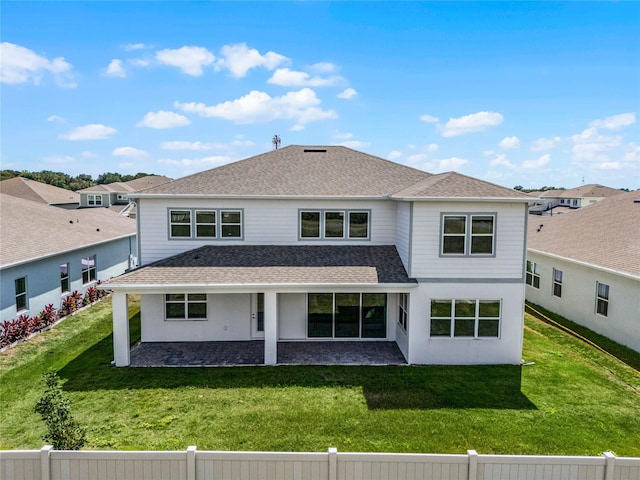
x=574, y=400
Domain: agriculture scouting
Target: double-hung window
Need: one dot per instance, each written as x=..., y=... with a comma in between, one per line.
x=205, y=224
x=533, y=274
x=64, y=278
x=180, y=223
x=185, y=306
x=231, y=223
x=557, y=283
x=465, y=318
x=94, y=200
x=602, y=299
x=468, y=234
x=403, y=310
x=21, y=294
x=88, y=265
x=334, y=224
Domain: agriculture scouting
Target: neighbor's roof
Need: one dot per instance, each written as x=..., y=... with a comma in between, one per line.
x=327, y=171
x=128, y=187
x=37, y=191
x=583, y=191
x=272, y=264
x=31, y=230
x=605, y=234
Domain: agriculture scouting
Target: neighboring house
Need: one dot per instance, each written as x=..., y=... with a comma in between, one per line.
x=116, y=195
x=330, y=244
x=586, y=267
x=47, y=253
x=573, y=198
x=40, y=192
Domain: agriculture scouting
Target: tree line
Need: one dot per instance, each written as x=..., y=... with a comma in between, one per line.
x=64, y=180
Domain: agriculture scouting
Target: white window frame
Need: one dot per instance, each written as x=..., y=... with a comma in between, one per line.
x=88, y=270
x=557, y=283
x=64, y=277
x=476, y=318
x=320, y=225
x=346, y=224
x=403, y=310
x=94, y=200
x=532, y=277
x=22, y=295
x=172, y=223
x=193, y=223
x=214, y=224
x=185, y=302
x=221, y=214
x=468, y=235
x=602, y=299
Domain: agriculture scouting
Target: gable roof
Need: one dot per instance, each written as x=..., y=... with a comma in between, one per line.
x=604, y=234
x=325, y=171
x=590, y=190
x=37, y=191
x=228, y=265
x=128, y=187
x=50, y=230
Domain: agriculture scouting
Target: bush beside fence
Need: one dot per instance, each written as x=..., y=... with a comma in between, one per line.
x=49, y=464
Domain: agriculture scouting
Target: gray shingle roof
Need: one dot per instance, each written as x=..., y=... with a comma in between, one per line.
x=605, y=234
x=273, y=264
x=30, y=230
x=37, y=191
x=128, y=187
x=326, y=171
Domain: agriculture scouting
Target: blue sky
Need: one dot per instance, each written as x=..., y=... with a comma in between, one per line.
x=524, y=93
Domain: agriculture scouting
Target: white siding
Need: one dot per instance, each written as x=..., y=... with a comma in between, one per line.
x=578, y=300
x=508, y=262
x=403, y=229
x=292, y=316
x=265, y=222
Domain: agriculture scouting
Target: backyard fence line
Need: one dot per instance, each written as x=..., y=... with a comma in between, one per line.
x=191, y=464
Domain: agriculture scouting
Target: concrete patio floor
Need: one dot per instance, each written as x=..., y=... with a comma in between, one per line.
x=212, y=354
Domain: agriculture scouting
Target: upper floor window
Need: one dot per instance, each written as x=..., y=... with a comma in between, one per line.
x=557, y=283
x=64, y=278
x=205, y=224
x=465, y=318
x=602, y=299
x=468, y=234
x=334, y=224
x=94, y=200
x=21, y=294
x=189, y=306
x=533, y=274
x=88, y=265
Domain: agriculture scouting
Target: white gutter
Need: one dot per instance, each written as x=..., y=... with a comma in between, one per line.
x=259, y=197
x=190, y=287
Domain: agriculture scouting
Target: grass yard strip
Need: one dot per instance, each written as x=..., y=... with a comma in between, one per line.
x=573, y=400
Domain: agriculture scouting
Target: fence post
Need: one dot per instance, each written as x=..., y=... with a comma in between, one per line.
x=333, y=463
x=45, y=463
x=473, y=464
x=191, y=463
x=609, y=465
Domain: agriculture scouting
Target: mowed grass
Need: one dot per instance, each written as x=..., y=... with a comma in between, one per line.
x=574, y=400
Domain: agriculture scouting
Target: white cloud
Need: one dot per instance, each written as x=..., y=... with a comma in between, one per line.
x=163, y=119
x=129, y=152
x=615, y=122
x=115, y=69
x=188, y=59
x=508, y=143
x=21, y=65
x=296, y=128
x=196, y=162
x=89, y=132
x=58, y=160
x=429, y=119
x=87, y=154
x=542, y=144
x=445, y=164
x=55, y=118
x=135, y=46
x=501, y=161
x=394, y=154
x=239, y=59
x=537, y=163
x=139, y=62
x=301, y=106
x=323, y=67
x=180, y=145
x=342, y=136
x=488, y=153
x=292, y=78
x=347, y=94
x=416, y=158
x=432, y=147
x=473, y=122
x=354, y=144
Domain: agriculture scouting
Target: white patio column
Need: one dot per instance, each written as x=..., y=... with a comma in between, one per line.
x=120, y=308
x=270, y=328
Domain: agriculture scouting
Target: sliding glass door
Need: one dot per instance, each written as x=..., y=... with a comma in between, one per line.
x=347, y=315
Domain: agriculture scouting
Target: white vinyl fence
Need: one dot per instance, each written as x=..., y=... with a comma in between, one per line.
x=49, y=464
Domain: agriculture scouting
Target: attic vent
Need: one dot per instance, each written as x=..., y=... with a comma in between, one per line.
x=636, y=200
x=315, y=150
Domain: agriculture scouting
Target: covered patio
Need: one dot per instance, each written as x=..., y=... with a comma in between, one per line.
x=218, y=354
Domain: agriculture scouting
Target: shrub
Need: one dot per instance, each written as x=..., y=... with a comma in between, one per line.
x=49, y=315
x=92, y=295
x=63, y=431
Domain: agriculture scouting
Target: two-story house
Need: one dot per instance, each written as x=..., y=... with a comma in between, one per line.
x=327, y=244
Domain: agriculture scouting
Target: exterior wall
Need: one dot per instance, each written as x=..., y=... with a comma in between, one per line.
x=84, y=200
x=273, y=222
x=43, y=276
x=403, y=232
x=508, y=262
x=292, y=316
x=506, y=349
x=578, y=301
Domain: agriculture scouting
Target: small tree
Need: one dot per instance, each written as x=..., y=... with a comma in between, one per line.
x=64, y=433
